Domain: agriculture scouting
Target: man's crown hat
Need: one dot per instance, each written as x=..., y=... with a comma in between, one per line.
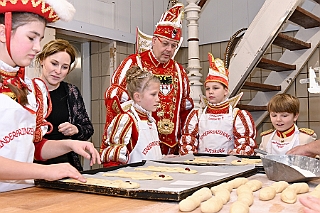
x=170, y=25
x=217, y=71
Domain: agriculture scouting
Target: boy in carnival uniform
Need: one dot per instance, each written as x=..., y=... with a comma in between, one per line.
x=218, y=127
x=284, y=112
x=132, y=136
x=24, y=103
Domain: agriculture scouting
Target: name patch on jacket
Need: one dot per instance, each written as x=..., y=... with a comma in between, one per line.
x=15, y=134
x=149, y=147
x=215, y=132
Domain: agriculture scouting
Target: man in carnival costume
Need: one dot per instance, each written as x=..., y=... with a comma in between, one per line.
x=175, y=101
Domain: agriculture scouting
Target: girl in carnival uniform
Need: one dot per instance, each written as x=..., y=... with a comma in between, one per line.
x=24, y=103
x=218, y=127
x=132, y=136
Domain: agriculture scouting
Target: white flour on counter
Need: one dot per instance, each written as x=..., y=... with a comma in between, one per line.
x=304, y=172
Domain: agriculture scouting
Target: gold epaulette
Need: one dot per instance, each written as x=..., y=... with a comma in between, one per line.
x=126, y=107
x=267, y=132
x=307, y=131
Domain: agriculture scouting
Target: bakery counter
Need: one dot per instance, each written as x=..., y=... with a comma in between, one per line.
x=45, y=200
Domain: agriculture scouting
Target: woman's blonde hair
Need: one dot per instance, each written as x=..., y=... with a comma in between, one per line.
x=138, y=80
x=284, y=103
x=55, y=46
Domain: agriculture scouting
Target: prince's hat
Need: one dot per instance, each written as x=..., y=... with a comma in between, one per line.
x=169, y=25
x=51, y=10
x=217, y=71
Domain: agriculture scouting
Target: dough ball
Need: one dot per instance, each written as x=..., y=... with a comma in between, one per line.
x=239, y=207
x=280, y=186
x=223, y=194
x=189, y=204
x=267, y=193
x=289, y=195
x=243, y=189
x=246, y=198
x=212, y=205
x=300, y=188
x=203, y=194
x=235, y=183
x=254, y=185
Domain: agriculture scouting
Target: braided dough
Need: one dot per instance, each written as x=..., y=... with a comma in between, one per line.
x=280, y=186
x=254, y=185
x=289, y=195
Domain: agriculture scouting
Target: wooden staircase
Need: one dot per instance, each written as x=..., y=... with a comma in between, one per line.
x=264, y=31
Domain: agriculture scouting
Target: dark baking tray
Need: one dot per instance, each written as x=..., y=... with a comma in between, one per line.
x=133, y=193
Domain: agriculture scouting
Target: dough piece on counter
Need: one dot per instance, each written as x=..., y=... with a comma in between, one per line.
x=212, y=205
x=235, y=183
x=300, y=188
x=239, y=207
x=267, y=193
x=224, y=185
x=280, y=186
x=203, y=194
x=223, y=194
x=246, y=198
x=254, y=185
x=244, y=189
x=138, y=175
x=289, y=195
x=167, y=169
x=315, y=193
x=189, y=204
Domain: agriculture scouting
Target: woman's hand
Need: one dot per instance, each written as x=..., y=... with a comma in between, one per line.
x=68, y=129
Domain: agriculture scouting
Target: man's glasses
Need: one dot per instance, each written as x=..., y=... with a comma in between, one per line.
x=166, y=44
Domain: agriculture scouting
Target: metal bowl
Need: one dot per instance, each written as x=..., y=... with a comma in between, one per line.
x=281, y=167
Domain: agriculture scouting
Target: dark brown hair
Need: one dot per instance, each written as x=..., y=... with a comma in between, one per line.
x=284, y=103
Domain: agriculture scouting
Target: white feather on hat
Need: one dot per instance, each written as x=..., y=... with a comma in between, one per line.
x=64, y=9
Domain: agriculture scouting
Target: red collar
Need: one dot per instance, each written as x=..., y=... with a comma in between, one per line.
x=218, y=109
x=286, y=133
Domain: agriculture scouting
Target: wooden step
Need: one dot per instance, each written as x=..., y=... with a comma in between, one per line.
x=318, y=1
x=290, y=43
x=275, y=65
x=260, y=87
x=251, y=108
x=304, y=18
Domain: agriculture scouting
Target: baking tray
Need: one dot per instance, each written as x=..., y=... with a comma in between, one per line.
x=177, y=189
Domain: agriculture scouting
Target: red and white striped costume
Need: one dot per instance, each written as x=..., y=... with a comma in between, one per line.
x=131, y=137
x=175, y=100
x=241, y=134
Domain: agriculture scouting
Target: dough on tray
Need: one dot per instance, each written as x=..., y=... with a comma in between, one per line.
x=107, y=183
x=167, y=169
x=267, y=193
x=138, y=175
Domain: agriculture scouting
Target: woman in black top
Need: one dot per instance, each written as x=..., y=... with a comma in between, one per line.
x=69, y=117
